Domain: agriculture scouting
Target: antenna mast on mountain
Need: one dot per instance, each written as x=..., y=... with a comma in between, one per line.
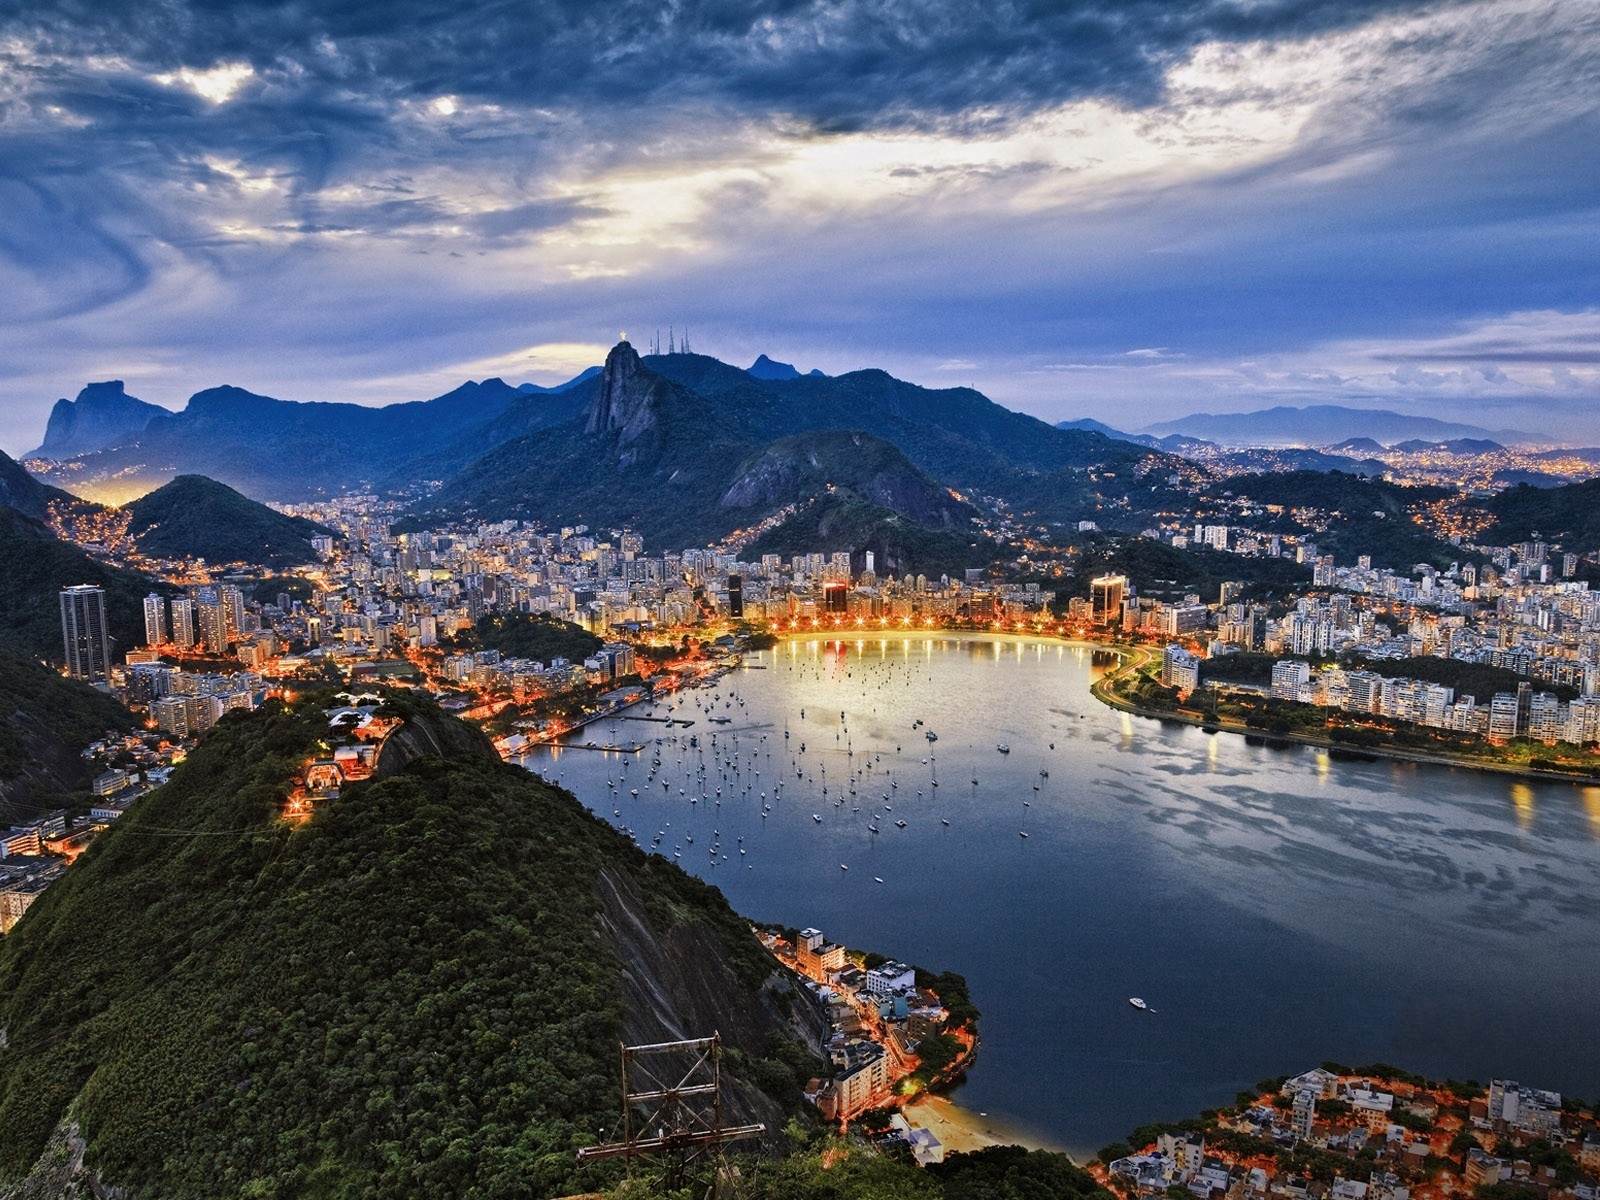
x=686, y=339
x=672, y=1107
x=672, y=344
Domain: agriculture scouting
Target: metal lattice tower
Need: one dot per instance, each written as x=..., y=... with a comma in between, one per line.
x=672, y=1107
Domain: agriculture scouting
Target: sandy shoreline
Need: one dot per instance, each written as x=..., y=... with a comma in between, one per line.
x=962, y=1130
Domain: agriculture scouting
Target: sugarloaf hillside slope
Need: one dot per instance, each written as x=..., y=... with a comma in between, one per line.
x=196, y=517
x=419, y=991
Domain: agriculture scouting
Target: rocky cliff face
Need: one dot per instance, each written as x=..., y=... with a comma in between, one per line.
x=628, y=400
x=429, y=736
x=796, y=467
x=101, y=416
x=676, y=983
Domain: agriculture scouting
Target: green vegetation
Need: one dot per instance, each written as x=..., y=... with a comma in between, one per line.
x=937, y=1054
x=1569, y=516
x=1162, y=570
x=412, y=994
x=268, y=590
x=196, y=517
x=827, y=1168
x=1347, y=515
x=951, y=989
x=1244, y=667
x=34, y=567
x=1012, y=1173
x=45, y=721
x=1540, y=1153
x=538, y=636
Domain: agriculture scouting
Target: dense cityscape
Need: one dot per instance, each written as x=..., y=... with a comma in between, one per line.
x=1060, y=660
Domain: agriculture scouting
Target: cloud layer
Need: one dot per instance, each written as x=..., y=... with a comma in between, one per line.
x=1145, y=207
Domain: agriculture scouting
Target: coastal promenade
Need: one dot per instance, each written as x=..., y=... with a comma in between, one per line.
x=1136, y=658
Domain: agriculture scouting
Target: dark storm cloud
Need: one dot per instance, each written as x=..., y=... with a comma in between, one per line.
x=835, y=65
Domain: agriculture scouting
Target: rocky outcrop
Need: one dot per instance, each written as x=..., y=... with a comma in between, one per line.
x=766, y=368
x=60, y=1173
x=628, y=400
x=102, y=415
x=798, y=467
x=429, y=736
x=677, y=984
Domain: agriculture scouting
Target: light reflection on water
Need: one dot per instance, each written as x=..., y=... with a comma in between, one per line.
x=1278, y=907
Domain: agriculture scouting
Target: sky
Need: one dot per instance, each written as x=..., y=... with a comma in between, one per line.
x=1121, y=209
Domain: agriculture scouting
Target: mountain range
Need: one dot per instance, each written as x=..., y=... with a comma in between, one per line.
x=687, y=449
x=666, y=443
x=278, y=449
x=684, y=447
x=1326, y=425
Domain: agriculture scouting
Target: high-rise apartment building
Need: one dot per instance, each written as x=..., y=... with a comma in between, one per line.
x=84, y=635
x=232, y=611
x=213, y=623
x=183, y=635
x=155, y=619
x=1105, y=597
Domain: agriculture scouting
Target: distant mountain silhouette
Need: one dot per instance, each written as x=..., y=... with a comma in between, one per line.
x=1090, y=425
x=1454, y=446
x=654, y=442
x=766, y=368
x=280, y=449
x=583, y=376
x=101, y=416
x=1324, y=425
x=1358, y=445
x=196, y=517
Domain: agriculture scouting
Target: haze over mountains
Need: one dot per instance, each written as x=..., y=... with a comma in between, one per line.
x=1326, y=424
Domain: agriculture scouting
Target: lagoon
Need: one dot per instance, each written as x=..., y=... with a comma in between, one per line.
x=1276, y=907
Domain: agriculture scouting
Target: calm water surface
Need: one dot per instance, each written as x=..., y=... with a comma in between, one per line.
x=1275, y=907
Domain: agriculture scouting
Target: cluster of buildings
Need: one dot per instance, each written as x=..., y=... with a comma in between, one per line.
x=34, y=853
x=876, y=1015
x=1385, y=1139
x=1540, y=716
x=420, y=586
x=1522, y=612
x=489, y=671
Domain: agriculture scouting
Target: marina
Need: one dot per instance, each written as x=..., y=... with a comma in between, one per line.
x=1106, y=856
